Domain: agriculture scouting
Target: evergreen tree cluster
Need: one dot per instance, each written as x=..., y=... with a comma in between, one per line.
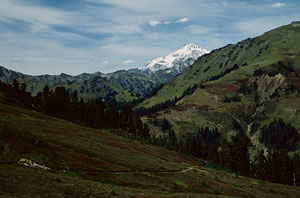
x=204, y=144
x=93, y=113
x=279, y=135
x=166, y=125
x=18, y=92
x=235, y=98
x=234, y=154
x=277, y=167
x=216, y=77
x=170, y=102
x=244, y=89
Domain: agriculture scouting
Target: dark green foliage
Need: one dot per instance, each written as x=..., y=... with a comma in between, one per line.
x=204, y=144
x=74, y=106
x=39, y=99
x=279, y=135
x=168, y=103
x=234, y=98
x=234, y=154
x=202, y=184
x=280, y=67
x=295, y=161
x=61, y=101
x=93, y=113
x=177, y=186
x=258, y=72
x=226, y=100
x=155, y=122
x=172, y=141
x=236, y=125
x=113, y=193
x=258, y=167
x=279, y=167
x=206, y=69
x=166, y=125
x=234, y=67
x=58, y=180
x=216, y=192
x=130, y=121
x=17, y=92
x=41, y=143
x=244, y=89
x=290, y=89
x=16, y=85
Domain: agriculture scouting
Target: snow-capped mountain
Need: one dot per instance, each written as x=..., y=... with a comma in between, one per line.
x=183, y=57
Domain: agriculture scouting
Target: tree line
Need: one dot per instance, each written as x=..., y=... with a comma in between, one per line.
x=209, y=144
x=274, y=165
x=17, y=91
x=280, y=135
x=93, y=113
x=171, y=102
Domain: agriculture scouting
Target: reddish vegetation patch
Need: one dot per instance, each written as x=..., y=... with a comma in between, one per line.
x=236, y=192
x=118, y=144
x=88, y=160
x=188, y=107
x=258, y=55
x=221, y=88
x=295, y=81
x=3, y=101
x=185, y=107
x=167, y=110
x=288, y=53
x=204, y=108
x=10, y=112
x=240, y=81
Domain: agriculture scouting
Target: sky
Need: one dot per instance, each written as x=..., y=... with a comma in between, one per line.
x=76, y=36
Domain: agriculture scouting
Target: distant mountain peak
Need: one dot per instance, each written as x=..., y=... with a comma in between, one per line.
x=185, y=53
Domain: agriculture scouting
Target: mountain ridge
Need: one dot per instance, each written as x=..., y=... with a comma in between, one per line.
x=239, y=87
x=122, y=85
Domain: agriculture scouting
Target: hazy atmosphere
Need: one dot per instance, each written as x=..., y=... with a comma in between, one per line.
x=75, y=36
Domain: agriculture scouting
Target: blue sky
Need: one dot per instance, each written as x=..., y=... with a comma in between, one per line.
x=76, y=36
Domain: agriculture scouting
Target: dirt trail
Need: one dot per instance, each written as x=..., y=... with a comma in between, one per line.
x=182, y=170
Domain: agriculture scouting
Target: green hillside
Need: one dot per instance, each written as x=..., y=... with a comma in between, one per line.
x=251, y=54
x=132, y=82
x=75, y=161
x=240, y=87
x=276, y=54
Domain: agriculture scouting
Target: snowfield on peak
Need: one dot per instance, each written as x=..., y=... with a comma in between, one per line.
x=186, y=54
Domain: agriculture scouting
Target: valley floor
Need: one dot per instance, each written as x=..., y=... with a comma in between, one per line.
x=84, y=162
